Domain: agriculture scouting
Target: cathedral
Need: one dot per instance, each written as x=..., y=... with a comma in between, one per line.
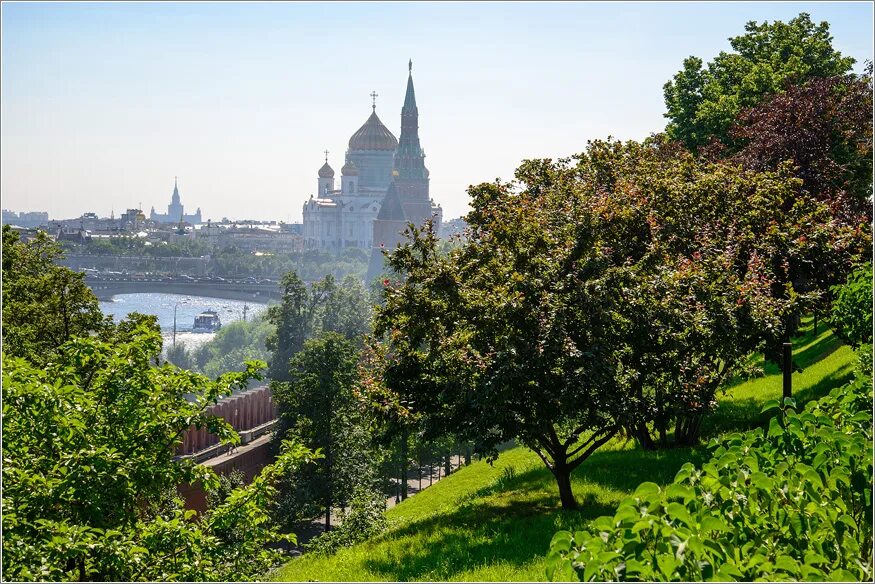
x=383, y=186
x=175, y=211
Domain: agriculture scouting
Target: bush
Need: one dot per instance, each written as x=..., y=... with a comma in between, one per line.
x=790, y=502
x=364, y=520
x=852, y=308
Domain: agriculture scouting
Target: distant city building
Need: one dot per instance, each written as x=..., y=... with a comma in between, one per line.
x=132, y=219
x=250, y=237
x=175, y=211
x=25, y=219
x=338, y=218
x=74, y=234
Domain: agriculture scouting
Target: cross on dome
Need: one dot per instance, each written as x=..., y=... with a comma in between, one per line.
x=374, y=96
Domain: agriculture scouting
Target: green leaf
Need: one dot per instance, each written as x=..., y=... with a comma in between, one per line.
x=678, y=511
x=775, y=428
x=711, y=523
x=561, y=541
x=676, y=491
x=645, y=489
x=770, y=405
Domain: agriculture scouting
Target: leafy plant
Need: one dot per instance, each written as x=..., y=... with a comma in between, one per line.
x=88, y=442
x=791, y=502
x=851, y=317
x=364, y=519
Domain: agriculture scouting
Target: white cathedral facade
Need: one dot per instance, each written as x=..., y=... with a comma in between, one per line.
x=338, y=218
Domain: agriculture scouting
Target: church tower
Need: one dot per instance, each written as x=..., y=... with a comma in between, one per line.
x=407, y=199
x=326, y=179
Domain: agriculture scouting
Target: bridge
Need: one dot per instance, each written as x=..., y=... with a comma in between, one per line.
x=105, y=288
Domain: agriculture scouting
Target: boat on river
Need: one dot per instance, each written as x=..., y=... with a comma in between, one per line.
x=207, y=322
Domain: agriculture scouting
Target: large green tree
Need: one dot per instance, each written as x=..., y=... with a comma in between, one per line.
x=309, y=310
x=513, y=334
x=615, y=291
x=702, y=102
x=318, y=408
x=90, y=477
x=44, y=305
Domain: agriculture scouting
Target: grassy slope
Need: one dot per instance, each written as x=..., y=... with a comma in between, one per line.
x=485, y=523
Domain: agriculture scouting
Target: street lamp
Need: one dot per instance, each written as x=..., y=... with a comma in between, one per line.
x=174, y=322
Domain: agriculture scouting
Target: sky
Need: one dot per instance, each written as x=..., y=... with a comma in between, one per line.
x=103, y=104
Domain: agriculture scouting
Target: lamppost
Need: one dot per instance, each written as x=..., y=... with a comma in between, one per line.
x=174, y=322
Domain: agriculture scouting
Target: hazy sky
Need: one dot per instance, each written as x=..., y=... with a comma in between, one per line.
x=103, y=104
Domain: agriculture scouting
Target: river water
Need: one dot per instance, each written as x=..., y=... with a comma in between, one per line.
x=187, y=307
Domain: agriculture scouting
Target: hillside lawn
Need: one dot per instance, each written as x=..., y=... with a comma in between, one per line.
x=494, y=522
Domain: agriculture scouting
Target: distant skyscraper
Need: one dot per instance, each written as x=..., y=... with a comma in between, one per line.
x=175, y=211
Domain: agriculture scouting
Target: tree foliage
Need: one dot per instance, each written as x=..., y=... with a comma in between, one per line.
x=824, y=128
x=852, y=308
x=793, y=502
x=317, y=407
x=44, y=305
x=586, y=300
x=234, y=344
x=702, y=102
x=306, y=311
x=89, y=475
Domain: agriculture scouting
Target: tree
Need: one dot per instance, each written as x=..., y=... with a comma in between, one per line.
x=44, y=305
x=309, y=311
x=317, y=407
x=703, y=102
x=233, y=344
x=346, y=309
x=293, y=319
x=511, y=335
x=89, y=473
x=824, y=128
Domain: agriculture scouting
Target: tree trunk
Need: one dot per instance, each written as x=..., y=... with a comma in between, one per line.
x=467, y=455
x=643, y=436
x=563, y=479
x=448, y=461
x=430, y=473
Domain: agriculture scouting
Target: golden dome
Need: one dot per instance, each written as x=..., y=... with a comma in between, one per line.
x=373, y=136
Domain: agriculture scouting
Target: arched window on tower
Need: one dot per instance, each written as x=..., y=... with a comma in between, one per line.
x=352, y=186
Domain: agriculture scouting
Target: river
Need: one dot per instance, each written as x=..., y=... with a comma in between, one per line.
x=187, y=307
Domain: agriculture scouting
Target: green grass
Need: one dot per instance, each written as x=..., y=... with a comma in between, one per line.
x=486, y=523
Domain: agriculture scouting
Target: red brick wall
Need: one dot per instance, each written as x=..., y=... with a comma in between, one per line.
x=249, y=462
x=243, y=411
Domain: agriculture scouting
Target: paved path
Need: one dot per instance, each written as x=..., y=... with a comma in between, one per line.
x=414, y=479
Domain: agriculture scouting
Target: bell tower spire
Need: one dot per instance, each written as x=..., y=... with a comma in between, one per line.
x=409, y=160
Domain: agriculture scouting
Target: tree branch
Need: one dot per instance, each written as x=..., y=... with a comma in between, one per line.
x=595, y=446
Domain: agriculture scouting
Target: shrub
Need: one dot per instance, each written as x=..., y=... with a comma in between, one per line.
x=793, y=501
x=851, y=317
x=364, y=520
